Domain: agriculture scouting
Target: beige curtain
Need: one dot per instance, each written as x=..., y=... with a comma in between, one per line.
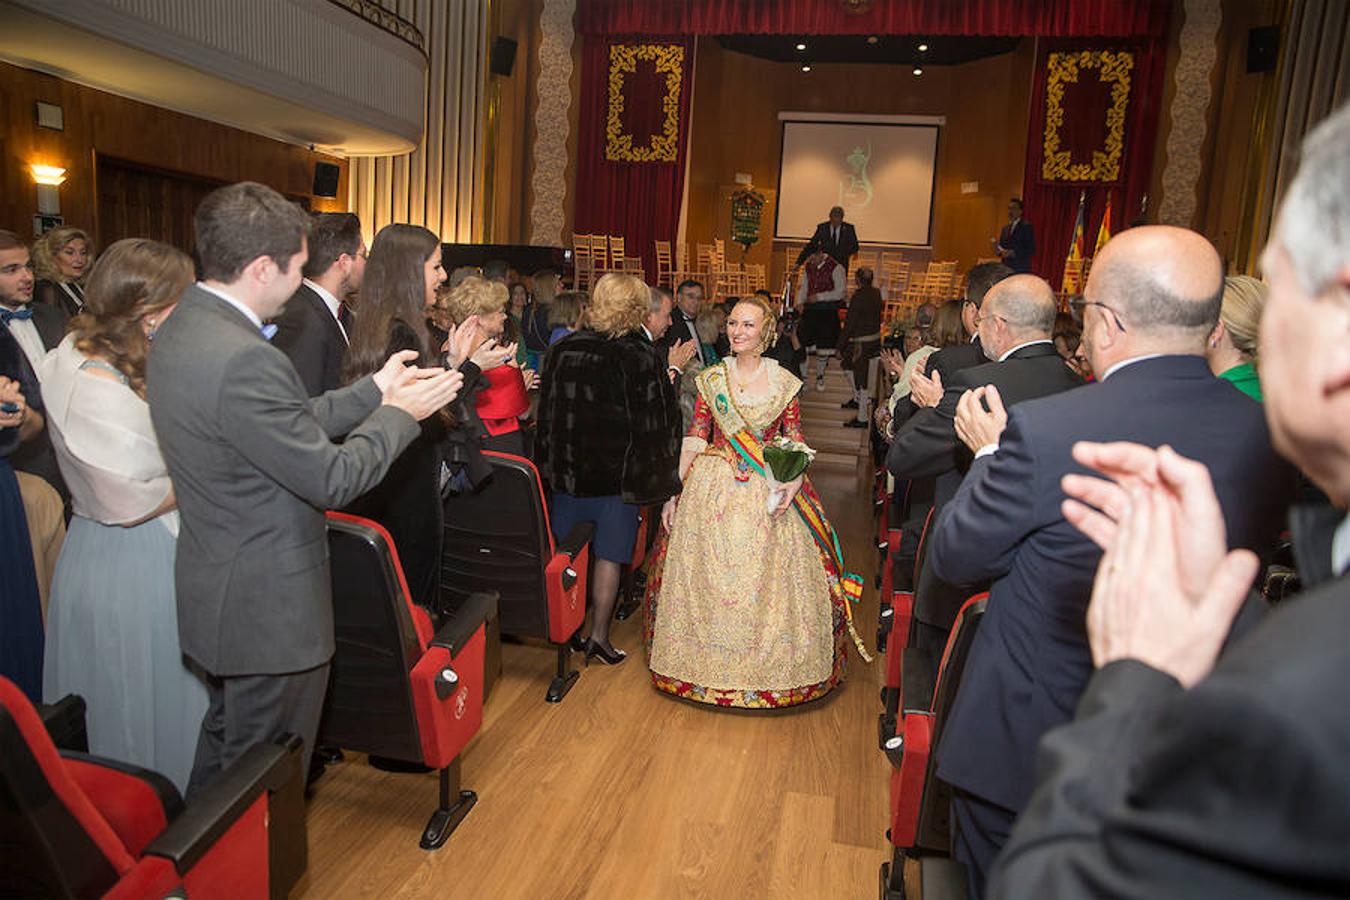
x=440, y=184
x=1314, y=79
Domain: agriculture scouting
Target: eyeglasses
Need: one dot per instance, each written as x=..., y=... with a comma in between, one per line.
x=1080, y=305
x=980, y=317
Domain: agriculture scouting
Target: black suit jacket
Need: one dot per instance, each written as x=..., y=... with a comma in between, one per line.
x=35, y=455
x=927, y=446
x=841, y=250
x=678, y=332
x=312, y=338
x=1021, y=240
x=1234, y=788
x=1030, y=661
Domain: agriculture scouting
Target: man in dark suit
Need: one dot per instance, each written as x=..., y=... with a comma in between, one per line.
x=860, y=343
x=37, y=328
x=1151, y=301
x=1180, y=775
x=311, y=329
x=1016, y=242
x=835, y=236
x=1016, y=321
x=254, y=467
x=688, y=301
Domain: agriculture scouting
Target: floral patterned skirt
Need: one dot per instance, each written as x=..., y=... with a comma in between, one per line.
x=742, y=609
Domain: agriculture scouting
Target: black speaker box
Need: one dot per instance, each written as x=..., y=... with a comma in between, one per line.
x=326, y=179
x=1263, y=48
x=503, y=57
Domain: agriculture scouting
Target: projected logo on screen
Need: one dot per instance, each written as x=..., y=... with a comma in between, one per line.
x=856, y=190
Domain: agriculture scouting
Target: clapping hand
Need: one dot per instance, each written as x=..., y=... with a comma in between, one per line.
x=420, y=392
x=680, y=353
x=894, y=362
x=531, y=378
x=976, y=426
x=490, y=354
x=926, y=390
x=463, y=342
x=10, y=393
x=1166, y=590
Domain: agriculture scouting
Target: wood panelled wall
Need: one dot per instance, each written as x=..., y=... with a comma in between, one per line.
x=737, y=99
x=102, y=123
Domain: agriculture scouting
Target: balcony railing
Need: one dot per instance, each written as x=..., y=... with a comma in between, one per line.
x=377, y=14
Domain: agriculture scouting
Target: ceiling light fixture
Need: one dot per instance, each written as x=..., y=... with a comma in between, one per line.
x=923, y=48
x=801, y=46
x=872, y=39
x=918, y=71
x=806, y=68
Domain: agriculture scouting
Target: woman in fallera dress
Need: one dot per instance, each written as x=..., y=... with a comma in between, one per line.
x=748, y=607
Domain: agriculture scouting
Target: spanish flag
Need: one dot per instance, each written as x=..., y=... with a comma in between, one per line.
x=1104, y=232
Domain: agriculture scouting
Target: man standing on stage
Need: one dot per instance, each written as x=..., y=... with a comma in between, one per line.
x=1016, y=242
x=820, y=293
x=836, y=237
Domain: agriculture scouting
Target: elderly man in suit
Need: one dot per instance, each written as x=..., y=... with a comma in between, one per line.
x=1016, y=242
x=1195, y=768
x=254, y=468
x=1015, y=324
x=835, y=236
x=312, y=329
x=1151, y=301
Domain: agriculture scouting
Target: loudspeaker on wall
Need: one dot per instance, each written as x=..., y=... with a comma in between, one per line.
x=326, y=179
x=503, y=57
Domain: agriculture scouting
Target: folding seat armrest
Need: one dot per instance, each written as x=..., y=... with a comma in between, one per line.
x=461, y=624
x=263, y=767
x=576, y=539
x=65, y=722
x=916, y=680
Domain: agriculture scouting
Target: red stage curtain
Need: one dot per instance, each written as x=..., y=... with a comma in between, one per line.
x=1051, y=206
x=631, y=153
x=1047, y=18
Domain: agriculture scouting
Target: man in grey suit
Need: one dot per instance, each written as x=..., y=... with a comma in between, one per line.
x=254, y=467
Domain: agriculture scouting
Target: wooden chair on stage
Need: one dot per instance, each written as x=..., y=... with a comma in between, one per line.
x=665, y=270
x=894, y=275
x=583, y=263
x=755, y=278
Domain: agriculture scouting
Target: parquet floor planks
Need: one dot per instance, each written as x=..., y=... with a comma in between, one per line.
x=621, y=792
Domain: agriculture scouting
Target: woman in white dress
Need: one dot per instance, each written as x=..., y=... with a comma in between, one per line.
x=112, y=627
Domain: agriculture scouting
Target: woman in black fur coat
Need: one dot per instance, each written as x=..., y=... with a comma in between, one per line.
x=608, y=436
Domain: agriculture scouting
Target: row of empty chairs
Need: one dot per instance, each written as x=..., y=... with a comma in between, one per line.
x=596, y=255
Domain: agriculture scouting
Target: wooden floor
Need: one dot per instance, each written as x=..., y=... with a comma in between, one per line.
x=621, y=792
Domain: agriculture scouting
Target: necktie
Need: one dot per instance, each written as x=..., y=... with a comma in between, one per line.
x=269, y=331
x=344, y=314
x=22, y=312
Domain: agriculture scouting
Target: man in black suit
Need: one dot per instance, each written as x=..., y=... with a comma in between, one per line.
x=1015, y=325
x=688, y=301
x=1151, y=301
x=37, y=328
x=311, y=330
x=1016, y=241
x=835, y=236
x=1181, y=775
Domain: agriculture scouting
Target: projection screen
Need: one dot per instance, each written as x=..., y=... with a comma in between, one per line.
x=881, y=172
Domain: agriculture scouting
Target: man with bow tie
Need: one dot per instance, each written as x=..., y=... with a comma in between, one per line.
x=37, y=328
x=688, y=301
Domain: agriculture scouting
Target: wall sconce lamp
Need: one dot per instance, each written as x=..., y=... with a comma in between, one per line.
x=49, y=180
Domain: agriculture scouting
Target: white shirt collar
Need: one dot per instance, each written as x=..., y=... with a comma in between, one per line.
x=1020, y=346
x=1129, y=362
x=647, y=331
x=329, y=300
x=1340, y=547
x=237, y=304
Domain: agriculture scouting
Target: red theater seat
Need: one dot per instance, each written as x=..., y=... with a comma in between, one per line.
x=497, y=538
x=920, y=804
x=403, y=687
x=73, y=825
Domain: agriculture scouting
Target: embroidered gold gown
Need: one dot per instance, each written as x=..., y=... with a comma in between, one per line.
x=744, y=610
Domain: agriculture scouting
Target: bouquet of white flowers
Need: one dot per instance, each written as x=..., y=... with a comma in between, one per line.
x=784, y=460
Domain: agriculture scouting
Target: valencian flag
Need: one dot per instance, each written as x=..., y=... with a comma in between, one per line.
x=1104, y=232
x=1073, y=269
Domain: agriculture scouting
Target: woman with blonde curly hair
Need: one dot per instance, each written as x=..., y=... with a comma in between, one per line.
x=764, y=625
x=500, y=394
x=1232, y=347
x=608, y=438
x=61, y=259
x=112, y=623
